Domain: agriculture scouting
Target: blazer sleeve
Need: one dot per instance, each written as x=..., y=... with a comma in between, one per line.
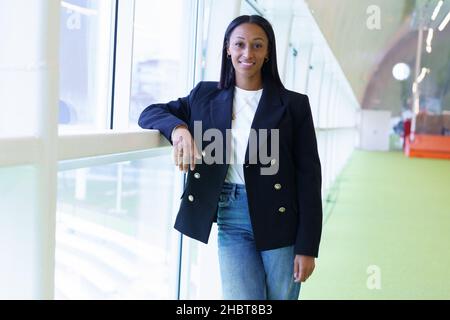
x=309, y=183
x=166, y=116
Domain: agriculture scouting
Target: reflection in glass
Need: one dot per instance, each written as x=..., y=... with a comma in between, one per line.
x=19, y=248
x=157, y=53
x=114, y=234
x=85, y=51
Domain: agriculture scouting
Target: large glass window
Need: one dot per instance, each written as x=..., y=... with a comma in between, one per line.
x=86, y=38
x=114, y=232
x=159, y=48
x=19, y=222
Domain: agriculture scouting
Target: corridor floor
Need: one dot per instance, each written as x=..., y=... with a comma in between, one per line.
x=386, y=231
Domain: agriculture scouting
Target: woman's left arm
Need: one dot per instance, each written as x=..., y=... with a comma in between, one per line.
x=309, y=192
x=309, y=182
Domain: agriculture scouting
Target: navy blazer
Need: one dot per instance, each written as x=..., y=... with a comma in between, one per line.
x=285, y=208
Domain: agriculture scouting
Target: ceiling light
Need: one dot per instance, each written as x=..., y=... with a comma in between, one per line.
x=430, y=36
x=436, y=10
x=401, y=71
x=422, y=75
x=444, y=22
x=429, y=39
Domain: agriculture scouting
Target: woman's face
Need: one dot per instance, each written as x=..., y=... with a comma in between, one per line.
x=248, y=48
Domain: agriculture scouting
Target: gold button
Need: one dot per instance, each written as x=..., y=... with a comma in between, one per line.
x=273, y=161
x=282, y=209
x=191, y=198
x=277, y=186
x=197, y=175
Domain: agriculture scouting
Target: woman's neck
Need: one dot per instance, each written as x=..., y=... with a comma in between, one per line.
x=249, y=84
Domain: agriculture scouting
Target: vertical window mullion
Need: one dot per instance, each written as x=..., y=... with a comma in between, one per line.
x=194, y=75
x=123, y=62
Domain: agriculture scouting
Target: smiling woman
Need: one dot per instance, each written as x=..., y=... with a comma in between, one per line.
x=248, y=51
x=269, y=225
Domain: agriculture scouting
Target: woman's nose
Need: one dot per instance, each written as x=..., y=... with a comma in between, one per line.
x=247, y=52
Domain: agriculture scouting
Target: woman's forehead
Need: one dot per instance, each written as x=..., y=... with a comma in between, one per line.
x=249, y=31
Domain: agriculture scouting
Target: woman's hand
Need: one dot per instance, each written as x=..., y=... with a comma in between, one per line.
x=184, y=149
x=303, y=267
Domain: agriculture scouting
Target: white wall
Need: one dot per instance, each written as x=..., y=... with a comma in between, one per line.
x=375, y=129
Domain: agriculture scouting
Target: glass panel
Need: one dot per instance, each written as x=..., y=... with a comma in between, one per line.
x=157, y=54
x=206, y=20
x=291, y=64
x=246, y=8
x=19, y=267
x=200, y=279
x=324, y=98
x=315, y=80
x=85, y=63
x=114, y=233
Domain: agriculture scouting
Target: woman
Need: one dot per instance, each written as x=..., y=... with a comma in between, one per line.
x=269, y=222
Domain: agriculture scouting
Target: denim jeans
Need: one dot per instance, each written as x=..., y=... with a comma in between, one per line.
x=249, y=274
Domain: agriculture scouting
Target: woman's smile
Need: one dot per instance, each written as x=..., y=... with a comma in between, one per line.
x=246, y=64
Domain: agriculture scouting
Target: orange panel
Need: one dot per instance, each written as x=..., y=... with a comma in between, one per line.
x=428, y=146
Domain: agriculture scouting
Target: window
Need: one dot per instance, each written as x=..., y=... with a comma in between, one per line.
x=86, y=38
x=114, y=231
x=19, y=215
x=159, y=52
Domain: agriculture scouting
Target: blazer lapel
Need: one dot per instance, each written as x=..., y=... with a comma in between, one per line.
x=221, y=108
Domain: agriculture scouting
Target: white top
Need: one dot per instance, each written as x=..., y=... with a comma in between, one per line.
x=245, y=103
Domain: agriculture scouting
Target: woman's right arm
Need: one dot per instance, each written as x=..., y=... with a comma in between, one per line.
x=167, y=116
x=171, y=120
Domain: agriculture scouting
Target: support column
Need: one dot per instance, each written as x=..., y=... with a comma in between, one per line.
x=29, y=97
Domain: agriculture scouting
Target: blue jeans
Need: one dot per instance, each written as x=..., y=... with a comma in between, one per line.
x=249, y=274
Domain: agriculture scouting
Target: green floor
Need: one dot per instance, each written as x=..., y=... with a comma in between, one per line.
x=387, y=231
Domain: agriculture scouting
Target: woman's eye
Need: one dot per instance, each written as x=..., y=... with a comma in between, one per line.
x=258, y=45
x=238, y=44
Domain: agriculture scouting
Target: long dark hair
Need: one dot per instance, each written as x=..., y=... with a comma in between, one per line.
x=269, y=68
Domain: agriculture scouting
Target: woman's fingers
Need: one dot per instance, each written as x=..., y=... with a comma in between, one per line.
x=185, y=153
x=303, y=267
x=296, y=271
x=176, y=146
x=178, y=152
x=194, y=155
x=192, y=159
